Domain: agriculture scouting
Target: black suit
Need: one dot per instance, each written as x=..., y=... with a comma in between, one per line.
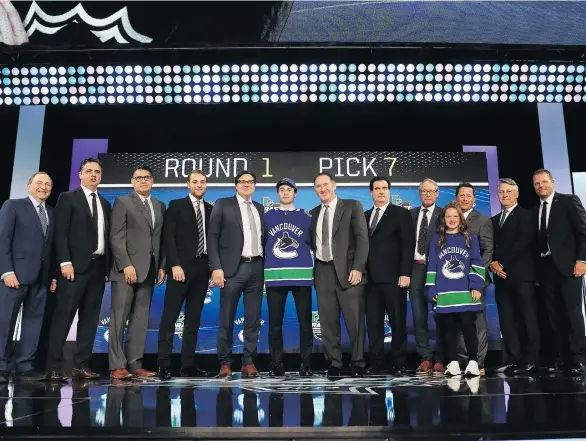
x=75, y=243
x=390, y=256
x=566, y=240
x=180, y=239
x=419, y=303
x=514, y=248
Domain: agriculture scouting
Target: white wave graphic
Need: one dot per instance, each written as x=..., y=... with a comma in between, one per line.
x=111, y=23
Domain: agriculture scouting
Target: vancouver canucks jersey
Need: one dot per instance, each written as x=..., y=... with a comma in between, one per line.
x=288, y=259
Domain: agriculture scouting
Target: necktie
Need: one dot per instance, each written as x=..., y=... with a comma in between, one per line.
x=422, y=236
x=374, y=221
x=43, y=219
x=200, y=232
x=543, y=247
x=325, y=235
x=503, y=218
x=253, y=231
x=95, y=219
x=147, y=207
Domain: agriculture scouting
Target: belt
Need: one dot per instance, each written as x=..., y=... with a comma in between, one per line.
x=97, y=256
x=250, y=259
x=420, y=262
x=324, y=262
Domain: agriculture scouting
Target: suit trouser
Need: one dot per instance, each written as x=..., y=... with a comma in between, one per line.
x=389, y=297
x=130, y=303
x=518, y=321
x=276, y=299
x=193, y=292
x=85, y=293
x=248, y=279
x=564, y=303
x=420, y=309
x=331, y=298
x=481, y=333
x=32, y=298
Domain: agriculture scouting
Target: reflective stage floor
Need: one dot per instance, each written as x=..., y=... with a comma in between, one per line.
x=370, y=408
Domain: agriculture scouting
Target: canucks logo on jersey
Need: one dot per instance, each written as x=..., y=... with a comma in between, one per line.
x=285, y=247
x=453, y=269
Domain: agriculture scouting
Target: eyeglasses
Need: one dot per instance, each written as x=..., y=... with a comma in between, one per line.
x=142, y=178
x=251, y=182
x=427, y=192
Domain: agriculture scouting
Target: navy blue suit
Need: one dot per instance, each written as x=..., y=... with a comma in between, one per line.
x=25, y=251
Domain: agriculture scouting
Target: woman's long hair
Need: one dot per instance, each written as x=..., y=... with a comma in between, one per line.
x=462, y=229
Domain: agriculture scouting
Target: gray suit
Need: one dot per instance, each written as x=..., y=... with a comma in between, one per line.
x=349, y=240
x=481, y=226
x=225, y=244
x=134, y=242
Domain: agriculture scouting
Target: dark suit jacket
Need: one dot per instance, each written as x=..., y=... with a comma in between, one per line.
x=391, y=245
x=431, y=229
x=180, y=234
x=566, y=231
x=225, y=235
x=133, y=239
x=514, y=245
x=481, y=225
x=74, y=230
x=349, y=239
x=23, y=248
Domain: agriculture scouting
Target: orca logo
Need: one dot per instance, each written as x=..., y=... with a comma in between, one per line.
x=453, y=269
x=285, y=247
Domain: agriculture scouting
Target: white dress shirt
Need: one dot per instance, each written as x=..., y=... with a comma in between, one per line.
x=150, y=202
x=36, y=205
x=380, y=214
x=430, y=209
x=101, y=249
x=320, y=220
x=247, y=249
x=549, y=201
x=467, y=213
x=202, y=214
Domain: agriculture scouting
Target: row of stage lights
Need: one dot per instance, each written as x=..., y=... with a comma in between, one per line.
x=292, y=83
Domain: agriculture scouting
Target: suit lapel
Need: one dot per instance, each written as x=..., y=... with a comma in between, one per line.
x=338, y=216
x=157, y=211
x=237, y=213
x=33, y=212
x=51, y=221
x=189, y=210
x=314, y=216
x=434, y=215
x=208, y=211
x=84, y=202
x=552, y=210
x=138, y=203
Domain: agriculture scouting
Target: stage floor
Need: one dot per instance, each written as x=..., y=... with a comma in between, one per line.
x=298, y=408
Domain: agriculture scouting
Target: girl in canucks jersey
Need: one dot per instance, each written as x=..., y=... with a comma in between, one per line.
x=455, y=277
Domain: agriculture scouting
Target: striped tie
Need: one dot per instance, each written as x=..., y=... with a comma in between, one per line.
x=43, y=219
x=200, y=232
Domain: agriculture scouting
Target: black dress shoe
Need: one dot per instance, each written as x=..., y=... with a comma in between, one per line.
x=305, y=372
x=4, y=376
x=334, y=373
x=357, y=371
x=506, y=368
x=578, y=369
x=552, y=368
x=399, y=370
x=30, y=375
x=164, y=374
x=526, y=369
x=277, y=371
x=193, y=371
x=55, y=375
x=374, y=370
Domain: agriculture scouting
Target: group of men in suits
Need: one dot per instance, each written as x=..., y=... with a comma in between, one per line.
x=365, y=265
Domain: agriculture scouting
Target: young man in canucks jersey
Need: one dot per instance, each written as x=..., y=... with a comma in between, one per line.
x=288, y=267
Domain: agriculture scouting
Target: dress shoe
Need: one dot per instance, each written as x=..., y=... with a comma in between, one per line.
x=424, y=368
x=526, y=369
x=192, y=372
x=84, y=373
x=30, y=375
x=305, y=372
x=164, y=374
x=357, y=371
x=399, y=371
x=249, y=371
x=578, y=369
x=55, y=375
x=334, y=373
x=277, y=371
x=374, y=370
x=141, y=372
x=120, y=374
x=225, y=372
x=4, y=376
x=506, y=368
x=439, y=368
